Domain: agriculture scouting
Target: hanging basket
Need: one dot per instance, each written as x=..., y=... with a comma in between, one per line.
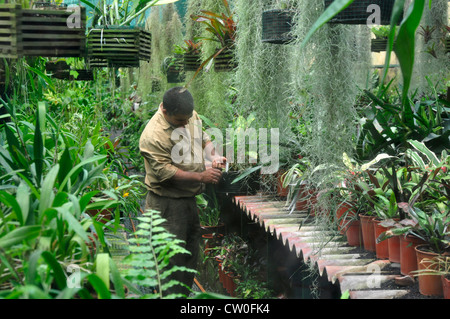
x=224, y=62
x=378, y=45
x=276, y=26
x=173, y=68
x=113, y=46
x=357, y=12
x=83, y=75
x=192, y=61
x=48, y=33
x=10, y=35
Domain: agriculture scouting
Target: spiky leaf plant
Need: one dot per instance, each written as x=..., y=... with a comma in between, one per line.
x=150, y=251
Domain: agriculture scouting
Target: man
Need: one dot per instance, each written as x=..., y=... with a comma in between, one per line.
x=175, y=148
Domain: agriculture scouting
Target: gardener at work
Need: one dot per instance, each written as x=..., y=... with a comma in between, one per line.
x=172, y=179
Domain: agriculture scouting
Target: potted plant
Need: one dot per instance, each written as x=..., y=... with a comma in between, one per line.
x=277, y=24
x=173, y=68
x=222, y=28
x=381, y=33
x=191, y=54
x=209, y=216
x=117, y=38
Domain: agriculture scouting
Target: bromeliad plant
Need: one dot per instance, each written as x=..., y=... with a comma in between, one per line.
x=222, y=30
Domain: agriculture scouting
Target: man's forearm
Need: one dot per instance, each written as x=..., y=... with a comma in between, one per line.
x=184, y=176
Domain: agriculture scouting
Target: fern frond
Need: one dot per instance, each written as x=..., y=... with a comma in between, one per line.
x=151, y=249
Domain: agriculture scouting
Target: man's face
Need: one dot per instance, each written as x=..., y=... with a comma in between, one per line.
x=176, y=120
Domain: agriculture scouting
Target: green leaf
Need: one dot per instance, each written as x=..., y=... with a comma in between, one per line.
x=58, y=272
x=404, y=48
x=38, y=149
x=65, y=165
x=47, y=194
x=102, y=268
x=421, y=147
x=18, y=235
x=332, y=10
x=99, y=286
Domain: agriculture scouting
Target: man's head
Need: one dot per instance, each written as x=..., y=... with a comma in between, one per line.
x=178, y=106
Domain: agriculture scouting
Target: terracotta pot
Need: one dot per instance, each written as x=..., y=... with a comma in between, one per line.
x=408, y=259
x=103, y=216
x=429, y=285
x=367, y=232
x=381, y=248
x=345, y=210
x=219, y=229
x=221, y=273
x=307, y=200
x=281, y=191
x=445, y=286
x=352, y=230
x=394, y=249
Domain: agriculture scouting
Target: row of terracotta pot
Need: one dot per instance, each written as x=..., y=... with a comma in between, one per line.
x=408, y=250
x=228, y=279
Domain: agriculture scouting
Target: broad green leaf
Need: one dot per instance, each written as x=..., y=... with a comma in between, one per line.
x=421, y=147
x=23, y=198
x=58, y=272
x=78, y=167
x=102, y=268
x=66, y=212
x=404, y=48
x=18, y=235
x=47, y=194
x=38, y=149
x=99, y=286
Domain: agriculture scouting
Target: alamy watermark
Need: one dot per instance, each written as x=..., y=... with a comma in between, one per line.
x=238, y=146
x=74, y=20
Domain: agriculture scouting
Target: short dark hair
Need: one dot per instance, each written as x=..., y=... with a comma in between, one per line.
x=178, y=100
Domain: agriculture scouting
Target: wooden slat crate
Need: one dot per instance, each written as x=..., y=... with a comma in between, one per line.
x=145, y=45
x=10, y=35
x=118, y=47
x=46, y=32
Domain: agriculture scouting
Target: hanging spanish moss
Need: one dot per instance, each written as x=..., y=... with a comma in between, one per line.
x=341, y=53
x=328, y=75
x=432, y=61
x=263, y=74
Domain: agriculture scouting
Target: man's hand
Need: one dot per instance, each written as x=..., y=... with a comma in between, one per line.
x=211, y=176
x=219, y=162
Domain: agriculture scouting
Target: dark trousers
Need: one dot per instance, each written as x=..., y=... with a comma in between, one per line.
x=181, y=217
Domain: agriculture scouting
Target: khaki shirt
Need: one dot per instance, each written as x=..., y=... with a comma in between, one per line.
x=166, y=149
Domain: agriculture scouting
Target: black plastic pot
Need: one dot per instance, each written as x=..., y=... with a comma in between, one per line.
x=246, y=186
x=276, y=26
x=356, y=13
